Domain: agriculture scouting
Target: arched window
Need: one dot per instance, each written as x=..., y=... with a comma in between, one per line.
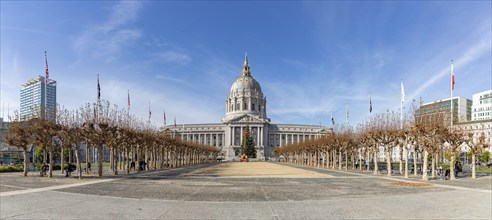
x=245, y=106
x=237, y=106
x=259, y=107
x=253, y=106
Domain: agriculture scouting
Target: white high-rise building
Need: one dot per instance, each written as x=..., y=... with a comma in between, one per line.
x=482, y=106
x=35, y=100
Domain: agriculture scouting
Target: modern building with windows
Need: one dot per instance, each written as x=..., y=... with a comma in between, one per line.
x=246, y=108
x=38, y=99
x=442, y=109
x=482, y=106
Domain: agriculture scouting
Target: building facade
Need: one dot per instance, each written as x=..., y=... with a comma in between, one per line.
x=246, y=109
x=442, y=109
x=38, y=99
x=482, y=106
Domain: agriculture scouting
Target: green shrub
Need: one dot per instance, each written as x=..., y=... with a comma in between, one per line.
x=485, y=157
x=8, y=168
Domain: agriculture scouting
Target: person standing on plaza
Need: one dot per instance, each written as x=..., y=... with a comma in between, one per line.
x=89, y=166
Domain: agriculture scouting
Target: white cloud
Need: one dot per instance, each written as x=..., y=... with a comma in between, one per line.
x=169, y=78
x=109, y=37
x=473, y=52
x=173, y=56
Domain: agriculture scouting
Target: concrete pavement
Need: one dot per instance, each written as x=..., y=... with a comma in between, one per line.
x=175, y=194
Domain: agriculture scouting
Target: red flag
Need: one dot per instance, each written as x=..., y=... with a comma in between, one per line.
x=332, y=120
x=452, y=76
x=46, y=68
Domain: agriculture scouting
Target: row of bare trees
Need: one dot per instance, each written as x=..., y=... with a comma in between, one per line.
x=383, y=132
x=104, y=128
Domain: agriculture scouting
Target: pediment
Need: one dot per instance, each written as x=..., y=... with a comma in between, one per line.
x=246, y=118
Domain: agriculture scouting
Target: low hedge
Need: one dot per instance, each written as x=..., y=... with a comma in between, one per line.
x=9, y=168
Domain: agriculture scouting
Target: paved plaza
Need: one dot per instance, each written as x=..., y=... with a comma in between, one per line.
x=233, y=190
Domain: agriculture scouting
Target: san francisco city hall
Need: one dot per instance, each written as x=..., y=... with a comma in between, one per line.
x=246, y=108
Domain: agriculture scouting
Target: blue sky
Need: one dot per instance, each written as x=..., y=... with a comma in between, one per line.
x=311, y=58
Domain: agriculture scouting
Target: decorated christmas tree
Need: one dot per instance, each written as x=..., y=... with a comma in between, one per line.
x=248, y=146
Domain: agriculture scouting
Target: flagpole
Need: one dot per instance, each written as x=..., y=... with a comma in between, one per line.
x=401, y=106
x=128, y=103
x=370, y=107
x=346, y=115
x=150, y=113
x=98, y=98
x=452, y=88
x=46, y=86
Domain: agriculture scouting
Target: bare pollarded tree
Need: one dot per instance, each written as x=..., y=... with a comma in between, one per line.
x=20, y=135
x=477, y=142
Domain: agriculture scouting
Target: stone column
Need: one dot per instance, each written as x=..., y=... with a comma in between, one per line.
x=258, y=136
x=262, y=137
x=233, y=135
x=241, y=136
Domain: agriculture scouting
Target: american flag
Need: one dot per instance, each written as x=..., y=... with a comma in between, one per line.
x=370, y=104
x=150, y=113
x=98, y=88
x=128, y=100
x=332, y=119
x=164, y=117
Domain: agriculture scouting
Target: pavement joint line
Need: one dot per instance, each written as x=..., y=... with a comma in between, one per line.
x=274, y=214
x=407, y=180
x=49, y=188
x=14, y=186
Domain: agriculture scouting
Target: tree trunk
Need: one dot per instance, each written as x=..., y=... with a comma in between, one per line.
x=473, y=166
x=346, y=160
x=26, y=158
x=376, y=168
x=388, y=159
x=339, y=160
x=359, y=159
x=45, y=156
x=70, y=154
x=401, y=160
x=406, y=163
x=111, y=159
x=434, y=160
x=128, y=161
x=327, y=159
x=52, y=163
x=99, y=160
x=87, y=157
x=424, y=166
x=116, y=160
x=414, y=161
x=79, y=165
x=352, y=160
x=451, y=167
x=62, y=162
